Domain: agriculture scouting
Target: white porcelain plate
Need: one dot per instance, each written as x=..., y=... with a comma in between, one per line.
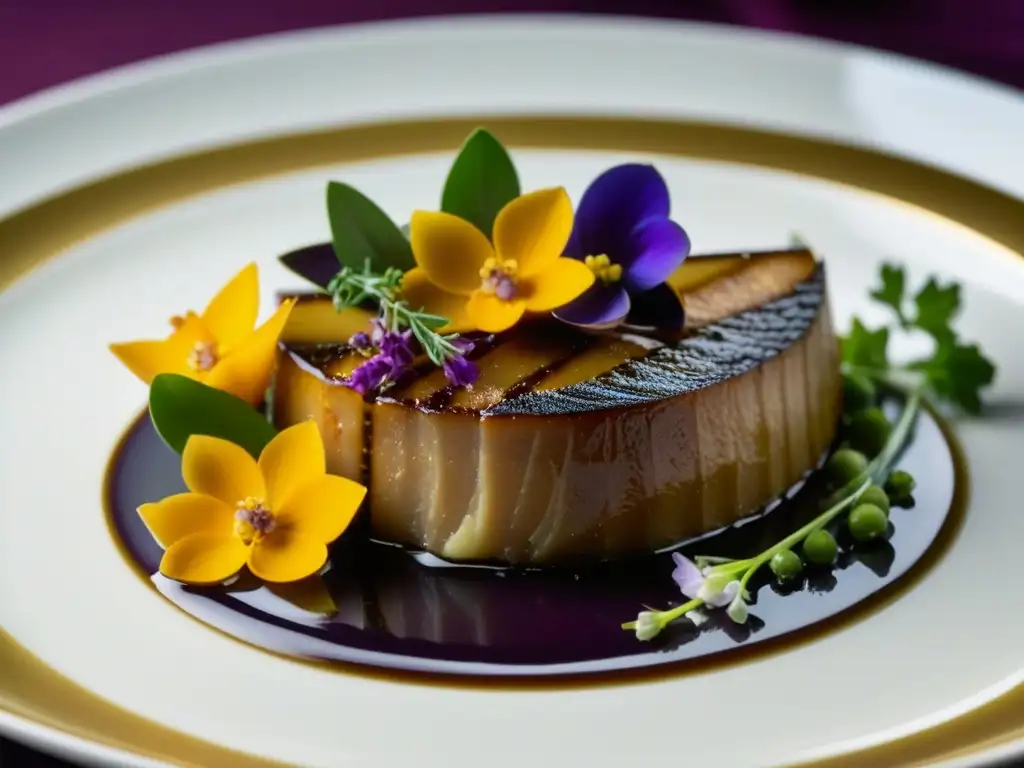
x=150, y=186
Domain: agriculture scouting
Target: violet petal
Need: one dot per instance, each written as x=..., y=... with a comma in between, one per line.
x=657, y=247
x=368, y=376
x=614, y=203
x=359, y=340
x=574, y=248
x=316, y=263
x=687, y=576
x=461, y=372
x=600, y=306
x=658, y=309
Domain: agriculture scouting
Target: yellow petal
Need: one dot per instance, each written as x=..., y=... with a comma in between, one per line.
x=286, y=556
x=215, y=467
x=323, y=508
x=563, y=282
x=424, y=295
x=534, y=229
x=231, y=314
x=148, y=358
x=184, y=514
x=204, y=558
x=449, y=249
x=492, y=315
x=245, y=372
x=292, y=460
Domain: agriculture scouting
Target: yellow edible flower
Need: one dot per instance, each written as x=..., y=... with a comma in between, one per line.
x=276, y=515
x=220, y=347
x=461, y=276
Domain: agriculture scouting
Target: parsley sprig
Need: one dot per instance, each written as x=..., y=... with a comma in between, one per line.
x=350, y=288
x=954, y=373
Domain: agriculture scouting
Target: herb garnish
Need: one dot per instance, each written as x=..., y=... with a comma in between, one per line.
x=953, y=374
x=396, y=326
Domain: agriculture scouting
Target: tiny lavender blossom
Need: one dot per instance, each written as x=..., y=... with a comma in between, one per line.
x=457, y=369
x=460, y=371
x=395, y=352
x=360, y=340
x=623, y=233
x=398, y=347
x=370, y=375
x=715, y=589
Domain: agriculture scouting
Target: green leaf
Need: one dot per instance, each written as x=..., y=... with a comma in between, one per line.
x=891, y=293
x=481, y=182
x=957, y=373
x=866, y=348
x=181, y=407
x=361, y=231
x=432, y=322
x=937, y=306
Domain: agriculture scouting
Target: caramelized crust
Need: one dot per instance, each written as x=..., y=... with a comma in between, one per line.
x=573, y=445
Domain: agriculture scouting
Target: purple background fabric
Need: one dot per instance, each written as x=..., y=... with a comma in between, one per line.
x=46, y=42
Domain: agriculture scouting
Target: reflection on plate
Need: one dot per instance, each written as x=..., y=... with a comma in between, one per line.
x=394, y=610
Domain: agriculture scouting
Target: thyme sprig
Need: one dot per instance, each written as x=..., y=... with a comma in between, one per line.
x=351, y=288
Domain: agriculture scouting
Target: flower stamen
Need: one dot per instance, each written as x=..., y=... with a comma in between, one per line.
x=253, y=521
x=603, y=268
x=499, y=278
x=203, y=356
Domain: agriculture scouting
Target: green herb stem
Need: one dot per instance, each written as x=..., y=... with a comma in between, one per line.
x=350, y=288
x=835, y=504
x=667, y=617
x=799, y=535
x=847, y=495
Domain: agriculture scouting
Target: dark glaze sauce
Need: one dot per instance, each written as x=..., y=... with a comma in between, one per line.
x=381, y=608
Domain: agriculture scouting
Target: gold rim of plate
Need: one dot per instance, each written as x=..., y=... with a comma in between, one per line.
x=32, y=691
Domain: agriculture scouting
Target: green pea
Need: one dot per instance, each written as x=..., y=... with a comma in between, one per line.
x=869, y=431
x=859, y=392
x=820, y=548
x=786, y=565
x=875, y=494
x=900, y=486
x=867, y=522
x=843, y=466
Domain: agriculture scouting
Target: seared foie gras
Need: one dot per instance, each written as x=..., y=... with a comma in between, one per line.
x=574, y=445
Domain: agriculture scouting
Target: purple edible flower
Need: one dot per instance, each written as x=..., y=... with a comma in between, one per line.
x=398, y=347
x=369, y=376
x=395, y=353
x=457, y=369
x=623, y=232
x=360, y=340
x=460, y=371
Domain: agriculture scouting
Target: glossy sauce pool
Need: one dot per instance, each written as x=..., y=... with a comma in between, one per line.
x=384, y=609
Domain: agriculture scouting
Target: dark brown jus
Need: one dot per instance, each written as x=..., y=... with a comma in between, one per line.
x=393, y=611
x=573, y=445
